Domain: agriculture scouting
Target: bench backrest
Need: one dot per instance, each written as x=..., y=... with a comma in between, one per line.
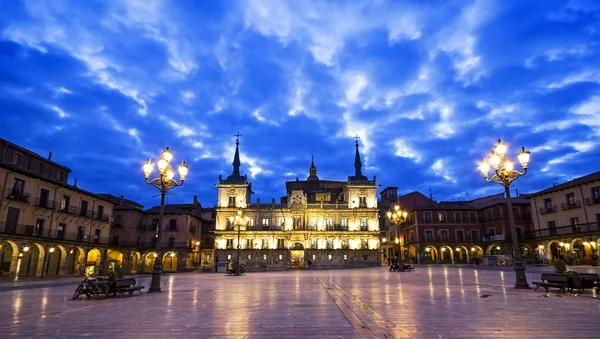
x=555, y=278
x=126, y=282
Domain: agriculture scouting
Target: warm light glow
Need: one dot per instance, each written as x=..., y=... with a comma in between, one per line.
x=396, y=207
x=443, y=249
x=541, y=247
x=473, y=249
x=457, y=249
x=500, y=148
x=71, y=252
x=567, y=245
x=239, y=212
x=183, y=170
x=561, y=244
x=172, y=254
x=231, y=219
x=383, y=239
x=148, y=168
x=404, y=214
x=509, y=165
x=155, y=255
x=484, y=167
x=593, y=243
x=26, y=248
x=167, y=155
x=197, y=243
x=20, y=254
x=389, y=214
x=170, y=173
x=585, y=243
x=162, y=164
x=494, y=160
x=397, y=240
x=51, y=249
x=524, y=157
x=427, y=249
x=498, y=247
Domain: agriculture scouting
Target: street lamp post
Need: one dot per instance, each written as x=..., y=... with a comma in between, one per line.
x=504, y=174
x=397, y=216
x=238, y=222
x=164, y=183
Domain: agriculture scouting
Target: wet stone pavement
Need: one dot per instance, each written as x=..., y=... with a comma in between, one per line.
x=431, y=302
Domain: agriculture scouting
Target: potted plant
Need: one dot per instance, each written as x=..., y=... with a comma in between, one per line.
x=559, y=266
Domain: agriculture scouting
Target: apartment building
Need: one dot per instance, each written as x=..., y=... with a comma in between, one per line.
x=47, y=225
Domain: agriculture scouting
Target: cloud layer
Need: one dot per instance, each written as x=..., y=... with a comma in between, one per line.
x=428, y=88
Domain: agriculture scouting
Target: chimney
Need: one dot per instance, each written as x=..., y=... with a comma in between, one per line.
x=195, y=199
x=517, y=192
x=121, y=200
x=75, y=183
x=50, y=156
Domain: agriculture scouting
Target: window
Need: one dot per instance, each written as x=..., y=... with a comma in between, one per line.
x=41, y=168
x=265, y=244
x=251, y=222
x=475, y=236
x=172, y=225
x=427, y=217
x=345, y=245
x=362, y=202
x=231, y=202
x=281, y=257
x=548, y=205
x=364, y=244
x=39, y=227
x=43, y=199
x=264, y=257
x=229, y=257
x=574, y=221
x=596, y=194
x=281, y=222
x=412, y=236
x=516, y=213
x=491, y=232
x=489, y=214
x=442, y=217
x=249, y=243
x=344, y=222
x=472, y=217
x=265, y=222
x=392, y=236
x=100, y=214
x=314, y=222
x=171, y=242
x=460, y=235
x=84, y=207
x=457, y=217
x=570, y=197
x=329, y=257
x=345, y=257
x=314, y=244
x=329, y=222
x=297, y=223
x=18, y=188
x=364, y=222
x=229, y=243
x=429, y=235
x=59, y=176
x=16, y=159
x=329, y=244
x=60, y=231
x=444, y=235
x=65, y=203
x=249, y=256
x=314, y=257
x=280, y=243
x=80, y=233
x=117, y=222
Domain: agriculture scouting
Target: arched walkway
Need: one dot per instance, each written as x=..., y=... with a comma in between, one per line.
x=447, y=255
x=431, y=255
x=9, y=255
x=32, y=260
x=170, y=261
x=93, y=262
x=74, y=262
x=462, y=255
x=55, y=258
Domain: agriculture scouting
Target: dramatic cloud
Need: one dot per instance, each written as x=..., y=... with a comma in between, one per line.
x=427, y=87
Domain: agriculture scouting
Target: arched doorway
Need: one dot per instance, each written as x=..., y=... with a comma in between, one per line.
x=170, y=261
x=53, y=266
x=135, y=260
x=114, y=260
x=297, y=255
x=580, y=251
x=430, y=255
x=555, y=250
x=462, y=255
x=8, y=255
x=148, y=262
x=30, y=261
x=92, y=264
x=74, y=262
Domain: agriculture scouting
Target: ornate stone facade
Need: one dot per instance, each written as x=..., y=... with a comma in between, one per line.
x=329, y=223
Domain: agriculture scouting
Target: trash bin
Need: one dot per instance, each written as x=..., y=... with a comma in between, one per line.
x=221, y=267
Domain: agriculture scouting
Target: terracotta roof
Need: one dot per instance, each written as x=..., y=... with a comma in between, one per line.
x=565, y=185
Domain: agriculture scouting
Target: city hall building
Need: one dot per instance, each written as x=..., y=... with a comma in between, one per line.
x=329, y=223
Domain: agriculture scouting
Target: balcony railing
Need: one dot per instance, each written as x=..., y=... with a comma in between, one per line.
x=563, y=231
x=364, y=228
x=547, y=209
x=103, y=217
x=570, y=205
x=592, y=201
x=44, y=202
x=342, y=205
x=21, y=197
x=31, y=231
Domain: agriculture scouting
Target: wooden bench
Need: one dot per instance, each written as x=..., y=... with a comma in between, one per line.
x=128, y=285
x=552, y=280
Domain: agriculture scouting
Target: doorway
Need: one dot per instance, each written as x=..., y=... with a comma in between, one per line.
x=297, y=259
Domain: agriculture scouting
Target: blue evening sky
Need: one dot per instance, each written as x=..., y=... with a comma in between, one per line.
x=429, y=86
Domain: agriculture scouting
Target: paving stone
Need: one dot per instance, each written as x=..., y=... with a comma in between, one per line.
x=432, y=302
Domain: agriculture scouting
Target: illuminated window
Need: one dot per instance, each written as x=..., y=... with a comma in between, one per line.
x=249, y=243
x=265, y=244
x=329, y=257
x=364, y=244
x=344, y=222
x=329, y=244
x=229, y=243
x=265, y=221
x=345, y=245
x=264, y=257
x=345, y=257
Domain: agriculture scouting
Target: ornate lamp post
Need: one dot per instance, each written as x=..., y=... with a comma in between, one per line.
x=238, y=222
x=164, y=183
x=504, y=174
x=397, y=216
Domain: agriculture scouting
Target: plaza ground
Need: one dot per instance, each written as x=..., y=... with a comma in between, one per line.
x=431, y=302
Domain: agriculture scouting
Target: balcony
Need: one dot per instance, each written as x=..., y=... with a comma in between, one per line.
x=592, y=201
x=547, y=209
x=364, y=228
x=336, y=227
x=20, y=197
x=31, y=231
x=570, y=205
x=564, y=231
x=44, y=202
x=102, y=217
x=171, y=228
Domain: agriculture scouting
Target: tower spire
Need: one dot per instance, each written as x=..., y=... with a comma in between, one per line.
x=358, y=164
x=313, y=170
x=236, y=157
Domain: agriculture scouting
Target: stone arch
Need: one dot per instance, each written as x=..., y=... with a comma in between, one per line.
x=32, y=260
x=493, y=249
x=9, y=256
x=134, y=262
x=579, y=249
x=463, y=256
x=553, y=249
x=170, y=261
x=445, y=252
x=93, y=264
x=147, y=261
x=297, y=246
x=116, y=259
x=56, y=256
x=431, y=255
